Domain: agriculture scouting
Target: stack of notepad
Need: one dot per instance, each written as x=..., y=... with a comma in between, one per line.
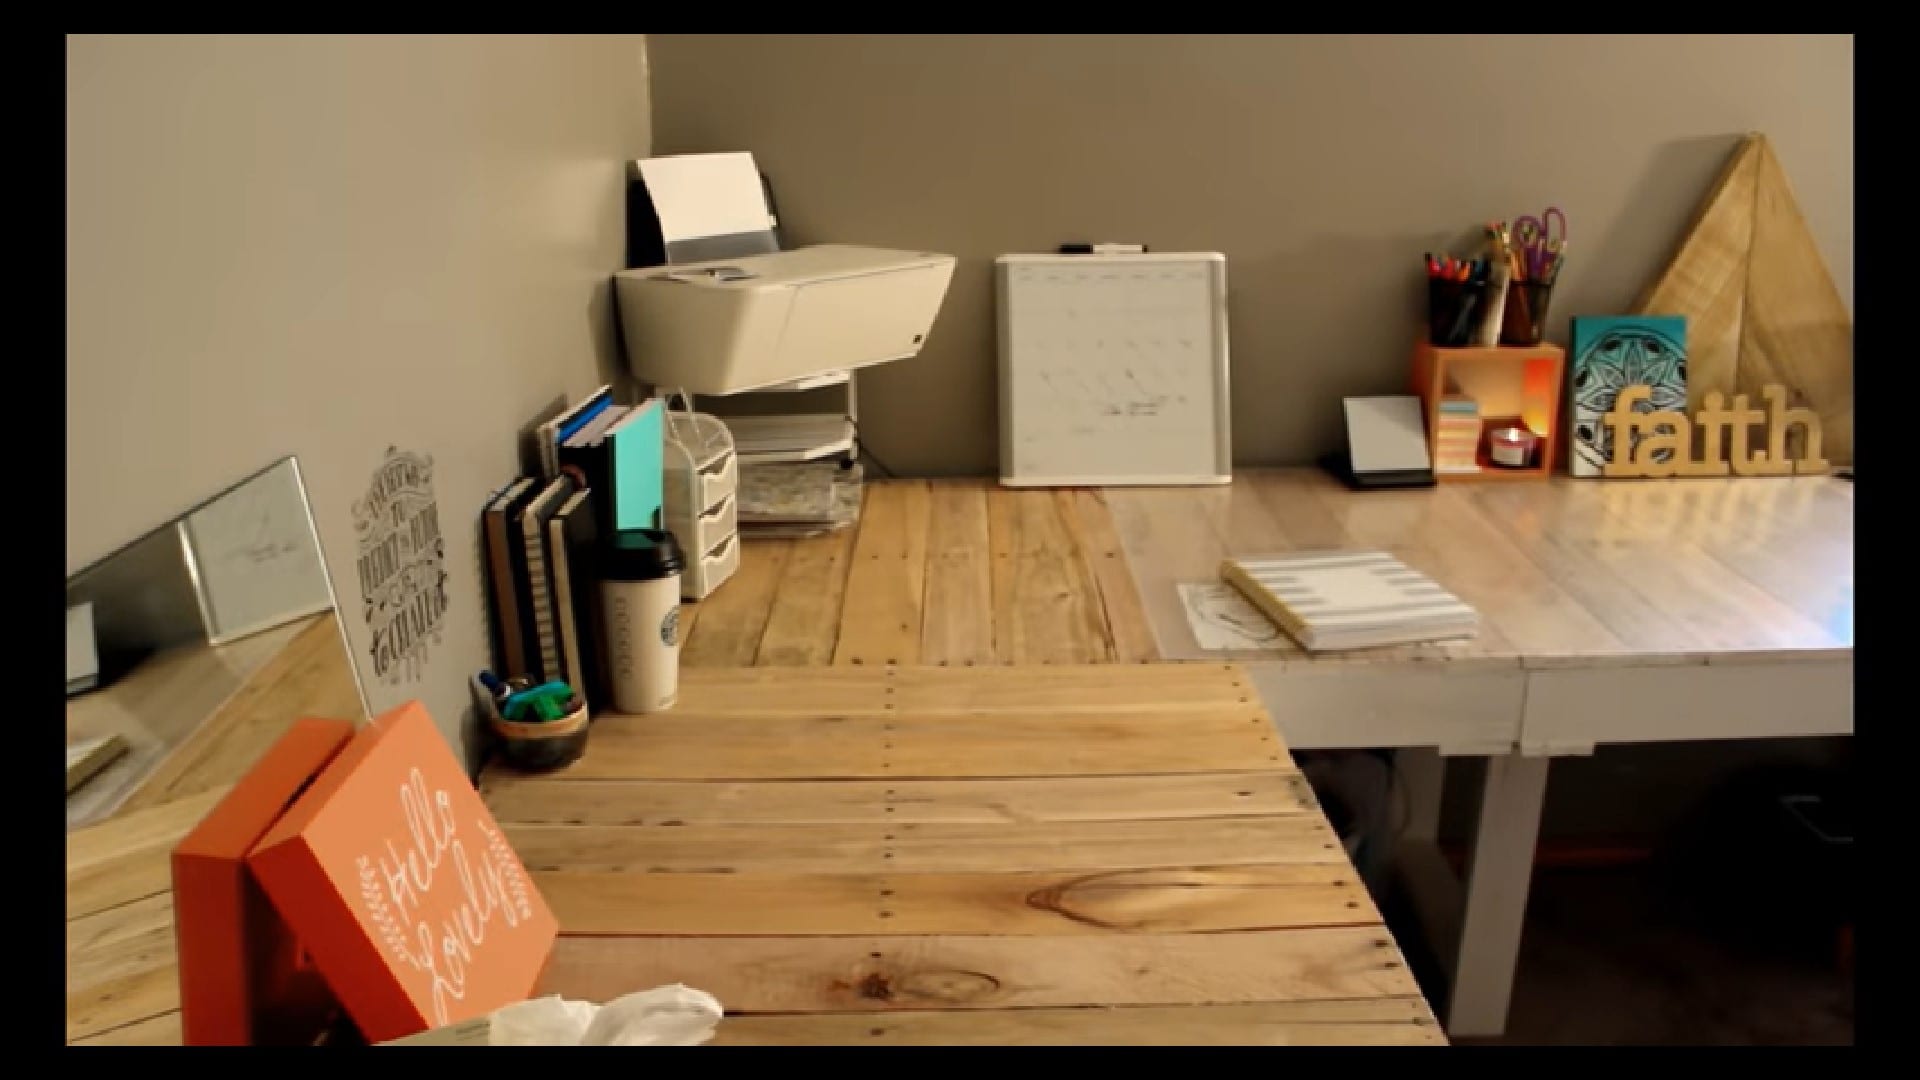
x=768, y=440
x=779, y=501
x=85, y=759
x=1457, y=435
x=1350, y=599
x=790, y=483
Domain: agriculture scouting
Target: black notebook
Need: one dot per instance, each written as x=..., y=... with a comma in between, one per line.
x=497, y=524
x=535, y=582
x=571, y=536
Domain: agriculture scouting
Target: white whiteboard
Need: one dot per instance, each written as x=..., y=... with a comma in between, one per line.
x=1113, y=369
x=255, y=558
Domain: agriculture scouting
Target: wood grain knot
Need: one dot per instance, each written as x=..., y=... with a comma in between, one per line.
x=875, y=987
x=954, y=987
x=1118, y=892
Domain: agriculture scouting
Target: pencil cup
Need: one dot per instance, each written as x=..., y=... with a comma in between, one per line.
x=1526, y=315
x=1451, y=308
x=537, y=746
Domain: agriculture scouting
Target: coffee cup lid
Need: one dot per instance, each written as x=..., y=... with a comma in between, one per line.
x=640, y=555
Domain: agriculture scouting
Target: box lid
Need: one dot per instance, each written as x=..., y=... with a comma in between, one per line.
x=240, y=969
x=403, y=887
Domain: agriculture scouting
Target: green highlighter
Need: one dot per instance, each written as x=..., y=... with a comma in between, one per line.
x=547, y=701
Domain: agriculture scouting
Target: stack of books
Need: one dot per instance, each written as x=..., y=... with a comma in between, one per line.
x=1457, y=435
x=599, y=471
x=1350, y=599
x=540, y=543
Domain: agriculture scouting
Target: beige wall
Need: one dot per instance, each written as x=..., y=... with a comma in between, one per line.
x=326, y=246
x=1321, y=166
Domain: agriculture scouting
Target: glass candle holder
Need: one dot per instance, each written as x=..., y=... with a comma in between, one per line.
x=1511, y=446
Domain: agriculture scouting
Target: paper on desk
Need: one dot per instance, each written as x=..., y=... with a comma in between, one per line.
x=700, y=195
x=1221, y=618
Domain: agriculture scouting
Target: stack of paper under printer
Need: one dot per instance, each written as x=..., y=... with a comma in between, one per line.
x=780, y=500
x=715, y=307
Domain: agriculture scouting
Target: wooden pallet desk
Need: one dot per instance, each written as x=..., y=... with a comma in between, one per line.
x=887, y=854
x=123, y=981
x=1611, y=612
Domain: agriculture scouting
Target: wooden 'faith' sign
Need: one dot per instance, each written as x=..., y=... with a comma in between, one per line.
x=1661, y=444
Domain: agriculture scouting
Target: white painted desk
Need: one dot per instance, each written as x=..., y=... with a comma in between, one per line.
x=1612, y=612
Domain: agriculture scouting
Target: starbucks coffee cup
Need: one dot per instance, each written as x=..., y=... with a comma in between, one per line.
x=640, y=599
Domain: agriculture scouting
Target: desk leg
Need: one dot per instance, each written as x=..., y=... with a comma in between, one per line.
x=1499, y=871
x=1421, y=775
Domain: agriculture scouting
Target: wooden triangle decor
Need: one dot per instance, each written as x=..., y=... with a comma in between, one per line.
x=1760, y=306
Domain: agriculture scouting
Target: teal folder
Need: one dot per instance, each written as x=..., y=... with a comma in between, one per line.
x=637, y=451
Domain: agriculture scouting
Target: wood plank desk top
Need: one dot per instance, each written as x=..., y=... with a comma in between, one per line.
x=122, y=979
x=990, y=855
x=195, y=716
x=1564, y=572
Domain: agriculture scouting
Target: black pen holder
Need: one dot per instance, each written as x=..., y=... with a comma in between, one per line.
x=1525, y=319
x=541, y=745
x=533, y=745
x=1453, y=311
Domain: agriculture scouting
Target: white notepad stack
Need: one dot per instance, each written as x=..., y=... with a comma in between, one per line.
x=1350, y=599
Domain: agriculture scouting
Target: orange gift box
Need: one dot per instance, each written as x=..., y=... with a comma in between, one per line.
x=402, y=887
x=242, y=981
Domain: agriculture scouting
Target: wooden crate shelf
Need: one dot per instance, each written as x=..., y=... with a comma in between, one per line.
x=1512, y=384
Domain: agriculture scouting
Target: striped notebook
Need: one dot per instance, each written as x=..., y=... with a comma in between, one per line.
x=1350, y=599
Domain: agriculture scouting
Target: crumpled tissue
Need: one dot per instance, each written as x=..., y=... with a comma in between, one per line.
x=672, y=1015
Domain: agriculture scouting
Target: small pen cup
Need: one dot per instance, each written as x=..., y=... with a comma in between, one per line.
x=1525, y=319
x=1452, y=307
x=537, y=746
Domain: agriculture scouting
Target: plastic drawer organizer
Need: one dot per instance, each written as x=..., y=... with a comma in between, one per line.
x=702, y=473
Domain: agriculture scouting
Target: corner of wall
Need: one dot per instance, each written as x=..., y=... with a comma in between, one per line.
x=646, y=106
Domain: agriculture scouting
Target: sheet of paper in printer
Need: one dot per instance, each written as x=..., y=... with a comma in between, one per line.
x=698, y=195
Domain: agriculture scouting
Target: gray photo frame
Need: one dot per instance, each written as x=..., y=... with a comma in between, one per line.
x=254, y=555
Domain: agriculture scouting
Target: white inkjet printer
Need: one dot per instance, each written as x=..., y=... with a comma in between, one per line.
x=713, y=306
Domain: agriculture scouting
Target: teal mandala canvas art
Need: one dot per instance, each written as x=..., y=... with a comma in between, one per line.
x=1611, y=353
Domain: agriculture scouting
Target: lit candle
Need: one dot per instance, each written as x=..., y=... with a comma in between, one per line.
x=1511, y=446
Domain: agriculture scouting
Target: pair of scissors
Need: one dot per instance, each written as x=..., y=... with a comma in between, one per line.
x=1538, y=244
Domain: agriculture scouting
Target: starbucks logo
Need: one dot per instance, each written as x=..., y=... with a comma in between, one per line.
x=670, y=627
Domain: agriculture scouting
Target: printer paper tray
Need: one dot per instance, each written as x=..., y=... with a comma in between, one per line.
x=763, y=440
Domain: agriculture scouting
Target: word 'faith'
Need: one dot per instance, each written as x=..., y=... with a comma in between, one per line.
x=1726, y=438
